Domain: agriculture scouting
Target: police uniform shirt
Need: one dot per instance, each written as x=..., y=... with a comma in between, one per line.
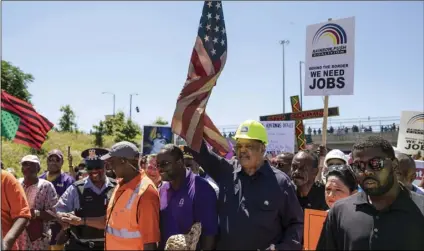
x=69, y=201
x=354, y=224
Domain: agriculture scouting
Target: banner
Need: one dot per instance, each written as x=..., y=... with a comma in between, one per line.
x=330, y=54
x=155, y=137
x=314, y=222
x=280, y=137
x=411, y=133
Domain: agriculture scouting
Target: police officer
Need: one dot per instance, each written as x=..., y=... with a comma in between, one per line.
x=88, y=197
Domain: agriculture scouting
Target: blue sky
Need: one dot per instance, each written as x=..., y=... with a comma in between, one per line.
x=77, y=50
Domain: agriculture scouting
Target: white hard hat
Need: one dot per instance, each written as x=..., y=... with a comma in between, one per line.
x=30, y=158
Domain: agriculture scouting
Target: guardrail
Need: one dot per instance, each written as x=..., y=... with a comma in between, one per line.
x=341, y=126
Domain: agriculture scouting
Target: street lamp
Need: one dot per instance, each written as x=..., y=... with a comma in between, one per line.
x=300, y=84
x=113, y=100
x=284, y=43
x=131, y=102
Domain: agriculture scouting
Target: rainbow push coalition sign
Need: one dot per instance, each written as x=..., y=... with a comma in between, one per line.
x=411, y=132
x=329, y=62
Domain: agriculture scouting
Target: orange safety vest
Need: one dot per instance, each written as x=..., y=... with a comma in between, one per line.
x=122, y=229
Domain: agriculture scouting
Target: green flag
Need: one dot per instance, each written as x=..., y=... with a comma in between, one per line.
x=9, y=124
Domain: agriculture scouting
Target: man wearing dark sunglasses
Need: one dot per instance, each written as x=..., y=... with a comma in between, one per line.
x=87, y=198
x=186, y=198
x=385, y=215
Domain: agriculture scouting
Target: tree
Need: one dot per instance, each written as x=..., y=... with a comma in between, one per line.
x=98, y=134
x=15, y=82
x=128, y=132
x=67, y=122
x=114, y=123
x=160, y=121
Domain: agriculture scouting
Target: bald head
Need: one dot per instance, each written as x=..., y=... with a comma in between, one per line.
x=406, y=172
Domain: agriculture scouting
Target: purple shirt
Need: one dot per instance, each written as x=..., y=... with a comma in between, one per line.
x=194, y=202
x=61, y=183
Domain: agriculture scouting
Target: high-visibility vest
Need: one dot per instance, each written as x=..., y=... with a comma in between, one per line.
x=122, y=229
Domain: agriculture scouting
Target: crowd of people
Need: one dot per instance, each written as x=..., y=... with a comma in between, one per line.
x=181, y=199
x=341, y=130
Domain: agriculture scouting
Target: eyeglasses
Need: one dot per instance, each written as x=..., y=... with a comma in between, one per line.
x=341, y=168
x=375, y=164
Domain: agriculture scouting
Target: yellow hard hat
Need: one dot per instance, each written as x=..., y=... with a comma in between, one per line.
x=251, y=129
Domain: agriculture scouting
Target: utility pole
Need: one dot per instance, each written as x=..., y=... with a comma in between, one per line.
x=131, y=103
x=113, y=100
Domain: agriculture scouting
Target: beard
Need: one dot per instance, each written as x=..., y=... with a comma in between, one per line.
x=380, y=189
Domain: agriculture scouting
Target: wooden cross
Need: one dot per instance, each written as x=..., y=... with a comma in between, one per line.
x=298, y=115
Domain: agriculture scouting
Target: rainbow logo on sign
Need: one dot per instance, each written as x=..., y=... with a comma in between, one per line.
x=419, y=118
x=333, y=31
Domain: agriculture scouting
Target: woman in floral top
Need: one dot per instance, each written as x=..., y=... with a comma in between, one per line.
x=41, y=196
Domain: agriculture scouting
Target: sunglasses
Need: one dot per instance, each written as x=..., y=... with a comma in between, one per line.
x=341, y=168
x=375, y=164
x=90, y=168
x=53, y=159
x=163, y=164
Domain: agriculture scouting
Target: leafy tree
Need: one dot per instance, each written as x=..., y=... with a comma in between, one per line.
x=114, y=123
x=128, y=132
x=67, y=122
x=15, y=82
x=160, y=121
x=98, y=134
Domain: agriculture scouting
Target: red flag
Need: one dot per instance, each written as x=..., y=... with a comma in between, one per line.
x=208, y=58
x=33, y=127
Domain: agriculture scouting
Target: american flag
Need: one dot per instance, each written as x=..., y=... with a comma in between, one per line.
x=208, y=58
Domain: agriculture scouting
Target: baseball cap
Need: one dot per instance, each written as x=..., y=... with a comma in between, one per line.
x=30, y=158
x=56, y=152
x=123, y=149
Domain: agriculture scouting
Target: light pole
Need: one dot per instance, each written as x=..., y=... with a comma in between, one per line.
x=284, y=43
x=131, y=102
x=300, y=84
x=113, y=100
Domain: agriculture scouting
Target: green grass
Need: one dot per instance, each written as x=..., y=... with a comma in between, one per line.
x=12, y=153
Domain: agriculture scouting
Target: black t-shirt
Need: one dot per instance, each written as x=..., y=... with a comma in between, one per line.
x=354, y=224
x=315, y=198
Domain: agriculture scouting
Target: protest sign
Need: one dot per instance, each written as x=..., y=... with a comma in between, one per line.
x=411, y=132
x=155, y=137
x=329, y=62
x=420, y=171
x=314, y=222
x=280, y=136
